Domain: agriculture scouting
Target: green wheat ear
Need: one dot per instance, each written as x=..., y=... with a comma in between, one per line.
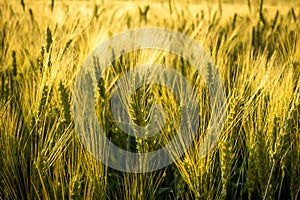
x=220, y=7
x=95, y=12
x=250, y=6
x=293, y=14
x=65, y=102
x=43, y=101
x=261, y=14
x=31, y=16
x=234, y=21
x=23, y=5
x=49, y=39
x=275, y=21
x=67, y=46
x=14, y=63
x=6, y=81
x=41, y=58
x=101, y=88
x=295, y=151
x=52, y=5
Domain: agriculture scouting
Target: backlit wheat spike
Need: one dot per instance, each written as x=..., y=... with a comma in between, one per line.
x=261, y=150
x=226, y=162
x=255, y=45
x=251, y=171
x=65, y=102
x=227, y=147
x=292, y=127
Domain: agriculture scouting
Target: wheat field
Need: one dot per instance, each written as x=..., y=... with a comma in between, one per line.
x=255, y=46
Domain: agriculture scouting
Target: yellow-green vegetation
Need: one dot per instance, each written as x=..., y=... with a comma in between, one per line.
x=256, y=47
